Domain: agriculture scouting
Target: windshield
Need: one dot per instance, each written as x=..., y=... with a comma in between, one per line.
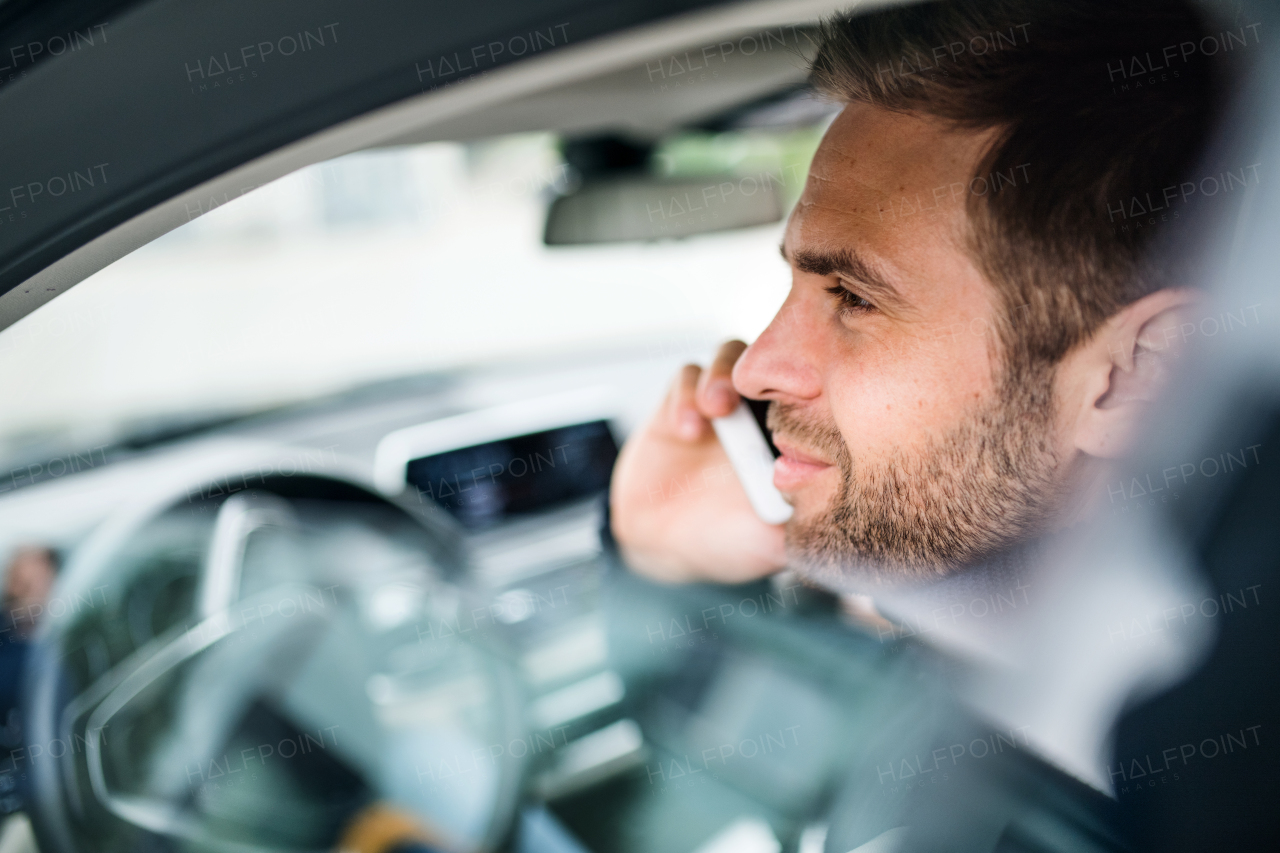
x=377, y=265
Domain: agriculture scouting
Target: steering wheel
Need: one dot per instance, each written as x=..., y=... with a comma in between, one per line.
x=268, y=670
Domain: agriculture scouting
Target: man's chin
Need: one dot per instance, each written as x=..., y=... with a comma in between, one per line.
x=812, y=501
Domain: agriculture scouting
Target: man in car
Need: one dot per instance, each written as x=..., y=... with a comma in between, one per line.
x=974, y=328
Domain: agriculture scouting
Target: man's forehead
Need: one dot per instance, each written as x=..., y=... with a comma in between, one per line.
x=873, y=162
x=889, y=189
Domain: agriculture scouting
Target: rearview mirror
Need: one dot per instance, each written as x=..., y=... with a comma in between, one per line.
x=643, y=208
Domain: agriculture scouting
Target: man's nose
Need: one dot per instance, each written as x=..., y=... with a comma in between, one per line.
x=782, y=364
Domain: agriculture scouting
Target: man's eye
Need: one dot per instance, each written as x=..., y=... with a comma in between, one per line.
x=849, y=302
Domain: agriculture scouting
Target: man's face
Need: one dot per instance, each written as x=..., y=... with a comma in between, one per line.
x=905, y=451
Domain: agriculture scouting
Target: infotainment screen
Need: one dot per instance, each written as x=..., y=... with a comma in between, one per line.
x=486, y=483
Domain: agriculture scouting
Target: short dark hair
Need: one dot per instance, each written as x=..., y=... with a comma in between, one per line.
x=1100, y=102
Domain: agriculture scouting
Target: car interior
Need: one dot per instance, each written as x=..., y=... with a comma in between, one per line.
x=318, y=404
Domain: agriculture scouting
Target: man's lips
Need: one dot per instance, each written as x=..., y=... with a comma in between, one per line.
x=795, y=467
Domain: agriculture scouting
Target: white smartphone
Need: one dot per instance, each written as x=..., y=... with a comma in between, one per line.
x=748, y=450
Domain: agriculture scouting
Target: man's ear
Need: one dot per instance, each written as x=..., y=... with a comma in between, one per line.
x=1123, y=368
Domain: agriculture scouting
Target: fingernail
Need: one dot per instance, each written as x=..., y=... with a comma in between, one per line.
x=690, y=426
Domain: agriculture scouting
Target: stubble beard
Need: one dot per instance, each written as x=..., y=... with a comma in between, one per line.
x=989, y=483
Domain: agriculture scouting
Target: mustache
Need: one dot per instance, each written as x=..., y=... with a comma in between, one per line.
x=809, y=430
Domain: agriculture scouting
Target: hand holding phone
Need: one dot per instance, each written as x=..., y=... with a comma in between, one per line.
x=677, y=513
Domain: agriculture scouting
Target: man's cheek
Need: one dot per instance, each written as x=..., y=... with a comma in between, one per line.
x=899, y=408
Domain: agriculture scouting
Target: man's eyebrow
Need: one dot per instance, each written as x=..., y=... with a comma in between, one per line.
x=846, y=262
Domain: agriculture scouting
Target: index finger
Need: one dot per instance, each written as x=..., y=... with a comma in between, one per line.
x=716, y=396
